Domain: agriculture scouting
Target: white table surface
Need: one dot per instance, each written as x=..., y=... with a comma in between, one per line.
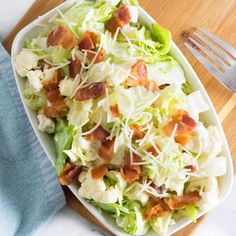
x=220, y=222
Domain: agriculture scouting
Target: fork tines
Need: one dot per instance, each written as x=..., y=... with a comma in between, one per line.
x=215, y=54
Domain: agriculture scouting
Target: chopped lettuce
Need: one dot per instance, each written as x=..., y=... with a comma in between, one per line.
x=128, y=215
x=189, y=211
x=163, y=36
x=130, y=2
x=111, y=208
x=35, y=101
x=161, y=224
x=196, y=104
x=209, y=191
x=171, y=99
x=117, y=110
x=167, y=72
x=82, y=150
x=59, y=54
x=79, y=112
x=187, y=88
x=63, y=138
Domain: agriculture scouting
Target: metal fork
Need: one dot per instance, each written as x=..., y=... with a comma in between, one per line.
x=225, y=71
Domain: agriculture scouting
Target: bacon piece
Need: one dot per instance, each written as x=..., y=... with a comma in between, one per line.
x=51, y=112
x=138, y=133
x=152, y=85
x=136, y=159
x=185, y=125
x=58, y=106
x=182, y=139
x=178, y=115
x=120, y=18
x=115, y=110
x=139, y=71
x=180, y=202
x=70, y=174
x=153, y=151
x=56, y=110
x=63, y=37
x=52, y=80
x=100, y=57
x=88, y=41
x=190, y=168
x=99, y=134
x=53, y=95
x=99, y=172
x=188, y=121
x=74, y=68
x=106, y=151
x=92, y=91
x=156, y=208
x=130, y=172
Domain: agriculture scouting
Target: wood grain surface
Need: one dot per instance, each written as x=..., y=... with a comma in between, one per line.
x=181, y=18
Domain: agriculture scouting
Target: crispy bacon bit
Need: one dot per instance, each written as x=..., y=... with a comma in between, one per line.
x=182, y=139
x=53, y=95
x=88, y=41
x=153, y=151
x=74, y=68
x=185, y=125
x=70, y=174
x=136, y=159
x=99, y=134
x=100, y=57
x=190, y=168
x=138, y=133
x=58, y=107
x=62, y=36
x=179, y=202
x=106, y=151
x=56, y=110
x=92, y=91
x=51, y=112
x=130, y=172
x=99, y=172
x=156, y=208
x=120, y=18
x=115, y=110
x=52, y=80
x=178, y=115
x=139, y=71
x=152, y=85
x=188, y=121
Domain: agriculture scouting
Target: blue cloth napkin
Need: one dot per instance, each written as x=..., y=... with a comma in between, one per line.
x=29, y=191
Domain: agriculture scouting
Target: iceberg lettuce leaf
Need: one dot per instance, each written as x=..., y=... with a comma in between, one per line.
x=63, y=139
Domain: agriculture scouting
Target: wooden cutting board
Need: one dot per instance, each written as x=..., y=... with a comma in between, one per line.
x=180, y=17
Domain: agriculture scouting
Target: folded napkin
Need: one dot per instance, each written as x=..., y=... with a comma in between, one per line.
x=29, y=191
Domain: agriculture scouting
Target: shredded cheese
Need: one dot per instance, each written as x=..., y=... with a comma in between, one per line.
x=146, y=135
x=67, y=22
x=59, y=66
x=115, y=36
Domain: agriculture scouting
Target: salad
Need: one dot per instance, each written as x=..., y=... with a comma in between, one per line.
x=126, y=124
